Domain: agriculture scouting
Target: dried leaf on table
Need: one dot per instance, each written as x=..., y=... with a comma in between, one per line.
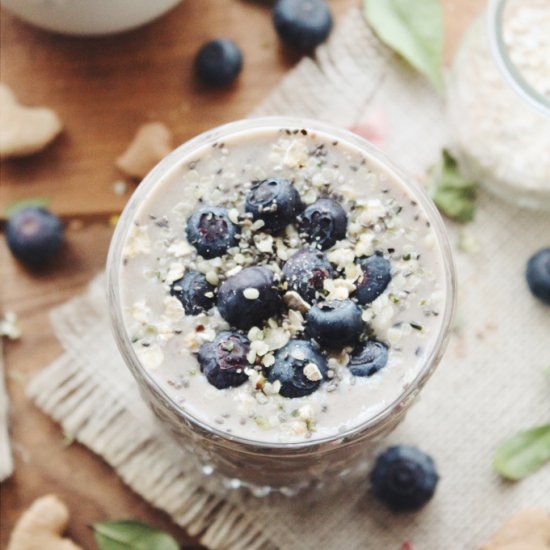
x=131, y=535
x=523, y=453
x=414, y=29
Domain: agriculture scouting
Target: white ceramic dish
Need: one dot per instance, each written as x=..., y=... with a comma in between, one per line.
x=88, y=17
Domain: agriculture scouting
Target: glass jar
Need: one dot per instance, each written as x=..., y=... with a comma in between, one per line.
x=499, y=101
x=264, y=466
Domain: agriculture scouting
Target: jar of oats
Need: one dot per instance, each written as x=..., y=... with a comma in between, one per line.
x=499, y=101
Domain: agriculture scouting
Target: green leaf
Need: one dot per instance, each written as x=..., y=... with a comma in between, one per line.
x=12, y=208
x=414, y=29
x=453, y=194
x=523, y=453
x=131, y=535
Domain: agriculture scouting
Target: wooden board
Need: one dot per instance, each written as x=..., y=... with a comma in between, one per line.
x=103, y=89
x=44, y=463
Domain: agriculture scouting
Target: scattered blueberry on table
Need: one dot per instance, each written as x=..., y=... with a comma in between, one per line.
x=404, y=478
x=302, y=24
x=219, y=62
x=538, y=275
x=34, y=235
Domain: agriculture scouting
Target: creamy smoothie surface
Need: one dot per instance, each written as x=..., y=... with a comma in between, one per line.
x=282, y=286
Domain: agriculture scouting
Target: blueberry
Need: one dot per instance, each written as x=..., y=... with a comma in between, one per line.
x=368, y=358
x=334, y=324
x=376, y=277
x=34, y=235
x=289, y=365
x=223, y=361
x=538, y=275
x=324, y=222
x=211, y=232
x=302, y=24
x=305, y=272
x=248, y=298
x=404, y=478
x=218, y=62
x=275, y=201
x=194, y=292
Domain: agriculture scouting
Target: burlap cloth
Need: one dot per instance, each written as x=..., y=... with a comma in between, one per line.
x=491, y=382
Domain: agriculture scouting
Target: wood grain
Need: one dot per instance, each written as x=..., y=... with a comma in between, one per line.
x=44, y=462
x=103, y=89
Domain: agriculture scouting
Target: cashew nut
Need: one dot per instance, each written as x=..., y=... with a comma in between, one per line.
x=24, y=130
x=527, y=530
x=151, y=144
x=41, y=527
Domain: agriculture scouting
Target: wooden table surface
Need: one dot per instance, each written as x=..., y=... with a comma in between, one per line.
x=103, y=89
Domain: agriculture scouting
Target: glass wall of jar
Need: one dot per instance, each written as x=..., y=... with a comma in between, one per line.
x=499, y=101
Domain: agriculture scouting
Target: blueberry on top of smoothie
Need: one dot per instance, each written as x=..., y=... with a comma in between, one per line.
x=300, y=367
x=302, y=24
x=368, y=358
x=211, y=232
x=305, y=272
x=335, y=324
x=34, y=235
x=538, y=275
x=274, y=201
x=218, y=62
x=194, y=292
x=249, y=298
x=376, y=277
x=323, y=223
x=404, y=478
x=223, y=361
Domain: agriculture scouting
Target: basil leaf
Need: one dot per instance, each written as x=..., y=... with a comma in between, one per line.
x=414, y=29
x=12, y=208
x=453, y=195
x=131, y=535
x=523, y=453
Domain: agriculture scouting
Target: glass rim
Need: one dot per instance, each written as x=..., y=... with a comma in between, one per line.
x=376, y=157
x=499, y=50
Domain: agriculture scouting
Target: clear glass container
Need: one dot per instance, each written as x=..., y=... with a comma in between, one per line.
x=499, y=101
x=262, y=466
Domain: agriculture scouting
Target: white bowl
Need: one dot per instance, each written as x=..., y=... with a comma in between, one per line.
x=88, y=17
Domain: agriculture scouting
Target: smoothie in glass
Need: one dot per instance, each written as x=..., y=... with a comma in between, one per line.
x=281, y=292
